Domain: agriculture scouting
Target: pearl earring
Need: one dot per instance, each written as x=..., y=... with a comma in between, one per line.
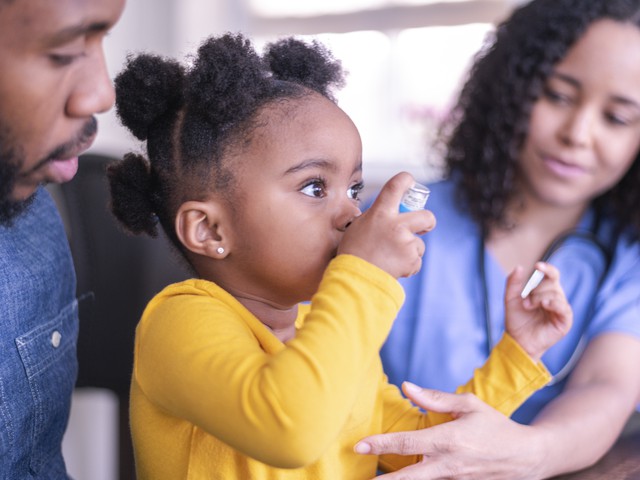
x=220, y=250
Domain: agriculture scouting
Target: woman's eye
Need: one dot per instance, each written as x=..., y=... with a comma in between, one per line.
x=355, y=190
x=556, y=97
x=616, y=119
x=314, y=189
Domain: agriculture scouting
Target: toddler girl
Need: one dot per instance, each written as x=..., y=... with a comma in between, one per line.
x=254, y=174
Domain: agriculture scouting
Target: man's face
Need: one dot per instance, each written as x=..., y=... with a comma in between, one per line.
x=53, y=80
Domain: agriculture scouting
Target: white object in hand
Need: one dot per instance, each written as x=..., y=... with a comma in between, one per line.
x=415, y=198
x=534, y=280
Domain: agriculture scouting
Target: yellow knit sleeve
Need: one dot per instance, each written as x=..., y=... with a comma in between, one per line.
x=505, y=381
x=207, y=360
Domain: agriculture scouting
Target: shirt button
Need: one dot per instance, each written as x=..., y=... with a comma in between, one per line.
x=55, y=339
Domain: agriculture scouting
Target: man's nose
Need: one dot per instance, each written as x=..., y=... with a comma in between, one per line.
x=93, y=91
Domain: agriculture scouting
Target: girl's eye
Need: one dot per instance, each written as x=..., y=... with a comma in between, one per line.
x=315, y=188
x=354, y=191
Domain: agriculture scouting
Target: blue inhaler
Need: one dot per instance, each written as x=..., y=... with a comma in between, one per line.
x=415, y=198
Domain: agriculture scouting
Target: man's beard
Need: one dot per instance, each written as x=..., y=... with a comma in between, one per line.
x=10, y=163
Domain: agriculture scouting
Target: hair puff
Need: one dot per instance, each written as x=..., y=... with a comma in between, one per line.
x=226, y=78
x=311, y=64
x=132, y=194
x=148, y=89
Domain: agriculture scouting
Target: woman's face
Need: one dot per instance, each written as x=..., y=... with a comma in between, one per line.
x=584, y=131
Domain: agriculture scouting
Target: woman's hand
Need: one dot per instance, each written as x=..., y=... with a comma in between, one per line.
x=479, y=443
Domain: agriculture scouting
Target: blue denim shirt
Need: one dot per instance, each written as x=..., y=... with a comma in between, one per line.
x=39, y=330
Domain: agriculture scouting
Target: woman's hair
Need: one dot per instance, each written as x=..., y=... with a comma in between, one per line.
x=489, y=123
x=193, y=116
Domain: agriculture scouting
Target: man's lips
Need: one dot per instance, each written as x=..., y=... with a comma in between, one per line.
x=75, y=149
x=61, y=171
x=67, y=152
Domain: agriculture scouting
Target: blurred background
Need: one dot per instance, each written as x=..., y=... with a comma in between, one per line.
x=405, y=60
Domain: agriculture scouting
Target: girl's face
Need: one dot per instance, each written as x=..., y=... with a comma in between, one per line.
x=298, y=187
x=584, y=131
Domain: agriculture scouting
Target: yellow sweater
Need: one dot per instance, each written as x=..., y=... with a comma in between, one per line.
x=215, y=395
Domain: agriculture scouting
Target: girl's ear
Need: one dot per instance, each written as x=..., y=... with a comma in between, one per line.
x=201, y=229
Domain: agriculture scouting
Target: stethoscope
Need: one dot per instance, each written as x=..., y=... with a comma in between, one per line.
x=559, y=242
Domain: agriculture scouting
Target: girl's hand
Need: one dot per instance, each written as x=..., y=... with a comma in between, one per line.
x=385, y=237
x=542, y=318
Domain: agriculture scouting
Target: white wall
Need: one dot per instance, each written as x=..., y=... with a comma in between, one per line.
x=176, y=27
x=90, y=444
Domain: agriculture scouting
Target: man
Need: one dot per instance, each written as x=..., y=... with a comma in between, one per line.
x=53, y=79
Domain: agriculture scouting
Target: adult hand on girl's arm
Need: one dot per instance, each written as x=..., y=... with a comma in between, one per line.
x=479, y=443
x=570, y=434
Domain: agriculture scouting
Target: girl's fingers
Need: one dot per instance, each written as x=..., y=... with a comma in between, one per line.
x=391, y=193
x=419, y=222
x=515, y=282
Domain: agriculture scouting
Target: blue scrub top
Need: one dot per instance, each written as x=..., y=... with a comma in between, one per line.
x=440, y=335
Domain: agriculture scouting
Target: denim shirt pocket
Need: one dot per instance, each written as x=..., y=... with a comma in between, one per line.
x=48, y=354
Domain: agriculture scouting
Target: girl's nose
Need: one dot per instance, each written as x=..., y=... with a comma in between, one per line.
x=348, y=213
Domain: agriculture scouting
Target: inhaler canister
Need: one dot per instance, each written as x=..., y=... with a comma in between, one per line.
x=415, y=198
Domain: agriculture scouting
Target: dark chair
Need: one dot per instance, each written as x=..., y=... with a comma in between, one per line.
x=117, y=275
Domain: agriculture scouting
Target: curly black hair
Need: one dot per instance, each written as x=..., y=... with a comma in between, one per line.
x=489, y=123
x=192, y=117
